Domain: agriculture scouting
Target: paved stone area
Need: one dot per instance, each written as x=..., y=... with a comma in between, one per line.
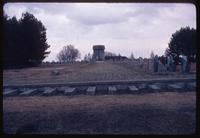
x=108, y=89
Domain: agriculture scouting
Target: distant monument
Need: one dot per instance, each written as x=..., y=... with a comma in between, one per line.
x=98, y=52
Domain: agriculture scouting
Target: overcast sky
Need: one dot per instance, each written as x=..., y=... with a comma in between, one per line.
x=122, y=27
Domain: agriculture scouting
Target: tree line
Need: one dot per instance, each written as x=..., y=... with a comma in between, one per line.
x=25, y=44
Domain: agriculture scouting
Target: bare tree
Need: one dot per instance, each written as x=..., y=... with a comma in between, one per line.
x=87, y=57
x=68, y=54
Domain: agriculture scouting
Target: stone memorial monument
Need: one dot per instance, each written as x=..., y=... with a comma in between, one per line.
x=98, y=53
x=155, y=63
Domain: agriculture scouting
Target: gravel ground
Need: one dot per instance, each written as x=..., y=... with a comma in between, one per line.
x=153, y=113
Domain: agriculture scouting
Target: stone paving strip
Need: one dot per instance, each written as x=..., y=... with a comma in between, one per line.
x=10, y=92
x=91, y=90
x=112, y=89
x=49, y=91
x=102, y=89
x=133, y=88
x=29, y=92
x=69, y=91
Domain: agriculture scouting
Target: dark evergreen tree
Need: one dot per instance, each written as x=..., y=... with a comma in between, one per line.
x=24, y=41
x=183, y=42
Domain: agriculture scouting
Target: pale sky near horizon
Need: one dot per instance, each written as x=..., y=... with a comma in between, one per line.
x=122, y=27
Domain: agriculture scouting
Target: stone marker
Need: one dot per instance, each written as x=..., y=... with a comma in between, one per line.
x=69, y=90
x=155, y=63
x=49, y=91
x=133, y=88
x=10, y=92
x=154, y=87
x=112, y=89
x=91, y=90
x=28, y=92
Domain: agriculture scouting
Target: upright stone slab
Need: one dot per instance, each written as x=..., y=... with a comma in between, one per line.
x=155, y=63
x=49, y=91
x=28, y=92
x=112, y=89
x=10, y=92
x=91, y=90
x=69, y=91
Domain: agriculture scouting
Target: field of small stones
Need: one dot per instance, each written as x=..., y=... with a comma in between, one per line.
x=83, y=72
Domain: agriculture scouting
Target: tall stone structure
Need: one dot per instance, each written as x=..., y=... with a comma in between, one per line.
x=98, y=52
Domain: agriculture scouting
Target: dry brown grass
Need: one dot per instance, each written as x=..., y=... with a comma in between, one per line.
x=155, y=113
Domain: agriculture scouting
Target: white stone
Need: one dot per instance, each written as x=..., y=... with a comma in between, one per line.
x=91, y=90
x=154, y=87
x=49, y=91
x=112, y=89
x=174, y=86
x=28, y=92
x=69, y=90
x=10, y=92
x=133, y=88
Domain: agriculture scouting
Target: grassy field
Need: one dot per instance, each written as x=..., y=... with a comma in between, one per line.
x=82, y=72
x=153, y=113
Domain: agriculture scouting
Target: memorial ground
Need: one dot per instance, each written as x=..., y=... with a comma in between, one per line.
x=82, y=72
x=168, y=112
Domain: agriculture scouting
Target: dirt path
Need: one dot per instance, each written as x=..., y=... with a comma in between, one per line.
x=155, y=113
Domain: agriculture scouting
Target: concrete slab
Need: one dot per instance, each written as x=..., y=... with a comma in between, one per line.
x=28, y=92
x=49, y=91
x=174, y=86
x=62, y=88
x=91, y=90
x=133, y=88
x=10, y=92
x=154, y=87
x=121, y=87
x=191, y=85
x=69, y=91
x=6, y=89
x=142, y=86
x=112, y=89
